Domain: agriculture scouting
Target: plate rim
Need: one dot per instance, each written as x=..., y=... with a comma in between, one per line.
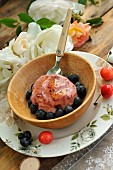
x=89, y=143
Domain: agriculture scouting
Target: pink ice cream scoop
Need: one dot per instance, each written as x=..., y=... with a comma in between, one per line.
x=50, y=91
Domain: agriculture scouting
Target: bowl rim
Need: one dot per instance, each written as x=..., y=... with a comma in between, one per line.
x=55, y=119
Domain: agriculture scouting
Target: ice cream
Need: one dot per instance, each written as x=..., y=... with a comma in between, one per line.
x=51, y=91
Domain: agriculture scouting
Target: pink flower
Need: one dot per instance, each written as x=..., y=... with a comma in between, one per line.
x=79, y=33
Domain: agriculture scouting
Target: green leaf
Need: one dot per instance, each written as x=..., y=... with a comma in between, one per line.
x=105, y=117
x=75, y=147
x=93, y=126
x=82, y=2
x=19, y=129
x=72, y=146
x=95, y=21
x=73, y=143
x=112, y=113
x=16, y=134
x=18, y=30
x=29, y=4
x=74, y=136
x=94, y=2
x=94, y=122
x=88, y=124
x=78, y=144
x=108, y=109
x=45, y=23
x=72, y=149
x=25, y=18
x=77, y=17
x=9, y=22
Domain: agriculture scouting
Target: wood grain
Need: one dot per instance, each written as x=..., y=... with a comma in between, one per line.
x=11, y=9
x=92, y=11
x=10, y=160
x=102, y=40
x=2, y=2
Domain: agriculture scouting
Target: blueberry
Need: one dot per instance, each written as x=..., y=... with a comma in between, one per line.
x=68, y=109
x=25, y=142
x=77, y=102
x=20, y=136
x=32, y=86
x=33, y=108
x=81, y=91
x=73, y=78
x=58, y=107
x=78, y=83
x=40, y=114
x=28, y=94
x=50, y=115
x=29, y=103
x=27, y=134
x=59, y=112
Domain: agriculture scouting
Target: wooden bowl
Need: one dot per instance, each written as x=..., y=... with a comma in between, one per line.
x=27, y=75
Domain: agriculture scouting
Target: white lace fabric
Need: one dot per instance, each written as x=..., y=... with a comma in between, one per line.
x=97, y=156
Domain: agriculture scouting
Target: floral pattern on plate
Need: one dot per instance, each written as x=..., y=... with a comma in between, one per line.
x=67, y=140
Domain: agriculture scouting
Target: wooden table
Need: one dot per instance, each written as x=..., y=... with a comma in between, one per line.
x=102, y=41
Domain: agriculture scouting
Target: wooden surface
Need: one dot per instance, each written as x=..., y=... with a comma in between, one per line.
x=102, y=41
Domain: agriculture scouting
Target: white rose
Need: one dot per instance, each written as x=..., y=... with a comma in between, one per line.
x=54, y=10
x=47, y=40
x=9, y=64
x=24, y=45
x=86, y=134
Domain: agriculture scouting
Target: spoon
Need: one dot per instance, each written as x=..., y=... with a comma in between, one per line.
x=61, y=45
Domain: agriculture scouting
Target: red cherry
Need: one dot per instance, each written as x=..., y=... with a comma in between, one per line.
x=107, y=73
x=107, y=90
x=45, y=137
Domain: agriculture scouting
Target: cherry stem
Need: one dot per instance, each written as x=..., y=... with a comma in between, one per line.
x=95, y=103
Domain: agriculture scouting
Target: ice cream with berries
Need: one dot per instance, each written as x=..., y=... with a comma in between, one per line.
x=52, y=91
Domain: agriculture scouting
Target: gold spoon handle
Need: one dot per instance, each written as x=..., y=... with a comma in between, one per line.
x=63, y=37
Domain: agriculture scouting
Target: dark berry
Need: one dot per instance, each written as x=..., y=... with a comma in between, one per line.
x=28, y=94
x=29, y=103
x=32, y=86
x=25, y=142
x=81, y=91
x=59, y=112
x=50, y=115
x=78, y=83
x=68, y=109
x=77, y=102
x=40, y=114
x=20, y=136
x=58, y=107
x=73, y=78
x=27, y=134
x=33, y=108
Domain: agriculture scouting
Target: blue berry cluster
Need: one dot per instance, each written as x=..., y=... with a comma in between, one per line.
x=81, y=90
x=42, y=115
x=25, y=138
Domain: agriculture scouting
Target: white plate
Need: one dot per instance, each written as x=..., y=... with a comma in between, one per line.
x=91, y=126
